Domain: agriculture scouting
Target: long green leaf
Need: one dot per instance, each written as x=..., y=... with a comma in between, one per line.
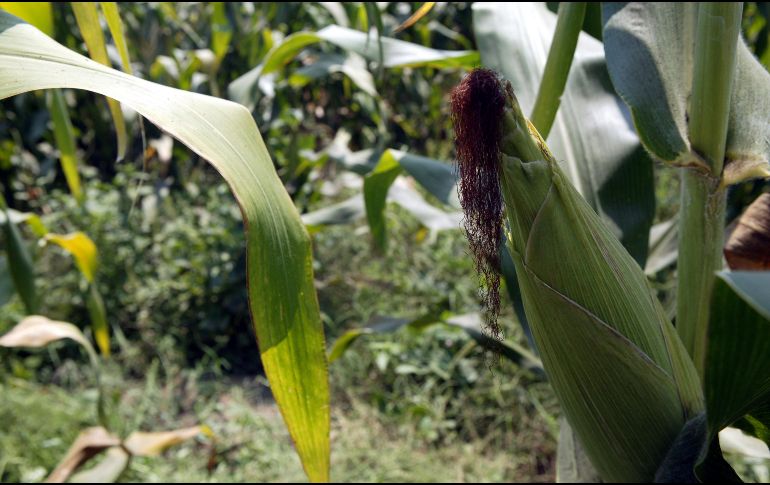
x=87, y=17
x=282, y=298
x=737, y=380
x=64, y=135
x=650, y=55
x=20, y=264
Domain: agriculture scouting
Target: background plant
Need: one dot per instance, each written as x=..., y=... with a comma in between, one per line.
x=344, y=130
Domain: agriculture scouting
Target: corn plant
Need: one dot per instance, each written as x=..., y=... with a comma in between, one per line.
x=645, y=399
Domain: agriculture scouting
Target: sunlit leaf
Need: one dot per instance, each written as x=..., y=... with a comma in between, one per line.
x=416, y=16
x=733, y=440
x=108, y=470
x=39, y=14
x=98, y=316
x=112, y=16
x=39, y=331
x=282, y=298
x=87, y=17
x=154, y=443
x=344, y=212
x=221, y=31
x=89, y=443
x=82, y=249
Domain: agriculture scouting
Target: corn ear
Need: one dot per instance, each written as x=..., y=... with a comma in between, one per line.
x=620, y=372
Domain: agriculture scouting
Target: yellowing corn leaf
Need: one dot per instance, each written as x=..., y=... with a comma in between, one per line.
x=82, y=248
x=112, y=16
x=39, y=14
x=89, y=443
x=108, y=470
x=39, y=331
x=154, y=443
x=416, y=16
x=87, y=17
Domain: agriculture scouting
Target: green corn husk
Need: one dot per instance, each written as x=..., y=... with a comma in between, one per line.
x=622, y=375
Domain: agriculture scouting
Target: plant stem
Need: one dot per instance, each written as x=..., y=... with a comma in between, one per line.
x=560, y=56
x=703, y=196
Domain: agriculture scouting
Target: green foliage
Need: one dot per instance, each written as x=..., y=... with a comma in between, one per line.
x=352, y=120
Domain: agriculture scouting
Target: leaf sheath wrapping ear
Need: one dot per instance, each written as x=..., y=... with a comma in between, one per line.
x=615, y=362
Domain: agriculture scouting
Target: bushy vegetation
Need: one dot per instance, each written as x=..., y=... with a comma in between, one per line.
x=418, y=402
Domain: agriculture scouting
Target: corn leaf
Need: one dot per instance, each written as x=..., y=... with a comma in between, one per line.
x=85, y=254
x=154, y=443
x=436, y=177
x=344, y=212
x=108, y=470
x=650, y=55
x=87, y=17
x=112, y=16
x=737, y=380
x=282, y=299
x=88, y=444
x=64, y=135
x=39, y=14
x=6, y=283
x=592, y=137
x=98, y=316
x=352, y=65
x=39, y=331
x=748, y=245
x=416, y=16
x=82, y=249
x=20, y=264
x=733, y=440
x=221, y=31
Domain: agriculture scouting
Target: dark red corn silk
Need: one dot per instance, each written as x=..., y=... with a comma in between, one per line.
x=478, y=104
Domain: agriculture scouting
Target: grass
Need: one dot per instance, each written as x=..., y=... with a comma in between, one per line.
x=251, y=443
x=419, y=406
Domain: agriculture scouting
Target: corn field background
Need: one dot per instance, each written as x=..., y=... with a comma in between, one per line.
x=159, y=242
